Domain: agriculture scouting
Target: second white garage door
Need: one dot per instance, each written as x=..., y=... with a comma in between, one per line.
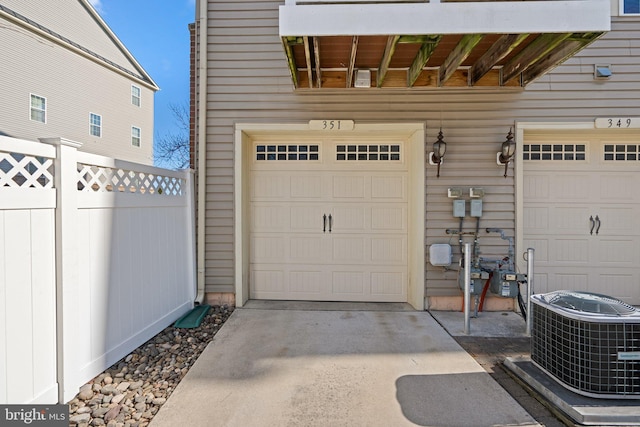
x=329, y=221
x=581, y=208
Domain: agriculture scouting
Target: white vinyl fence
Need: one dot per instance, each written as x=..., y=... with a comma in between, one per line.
x=96, y=257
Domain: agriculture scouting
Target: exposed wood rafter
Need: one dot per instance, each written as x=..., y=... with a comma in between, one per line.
x=316, y=56
x=457, y=56
x=291, y=62
x=389, y=49
x=496, y=52
x=352, y=60
x=425, y=52
x=307, y=55
x=566, y=50
x=541, y=46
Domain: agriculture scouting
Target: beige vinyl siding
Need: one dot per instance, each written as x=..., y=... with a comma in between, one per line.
x=74, y=86
x=249, y=82
x=74, y=22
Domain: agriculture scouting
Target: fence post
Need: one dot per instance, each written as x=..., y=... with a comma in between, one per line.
x=67, y=276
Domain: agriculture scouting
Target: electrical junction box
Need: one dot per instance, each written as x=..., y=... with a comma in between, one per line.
x=459, y=208
x=478, y=279
x=504, y=283
x=476, y=208
x=440, y=254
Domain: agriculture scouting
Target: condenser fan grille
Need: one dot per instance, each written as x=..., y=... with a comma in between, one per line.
x=594, y=357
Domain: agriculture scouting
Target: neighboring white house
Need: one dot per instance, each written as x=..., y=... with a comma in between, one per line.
x=316, y=120
x=65, y=73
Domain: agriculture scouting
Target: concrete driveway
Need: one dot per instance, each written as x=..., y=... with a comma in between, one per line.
x=345, y=365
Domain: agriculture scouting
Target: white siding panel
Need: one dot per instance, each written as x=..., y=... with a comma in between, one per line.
x=249, y=82
x=71, y=20
x=74, y=86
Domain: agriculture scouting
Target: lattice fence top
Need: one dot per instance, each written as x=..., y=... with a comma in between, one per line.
x=23, y=171
x=105, y=179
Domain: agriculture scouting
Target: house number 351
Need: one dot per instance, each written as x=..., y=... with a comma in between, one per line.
x=331, y=125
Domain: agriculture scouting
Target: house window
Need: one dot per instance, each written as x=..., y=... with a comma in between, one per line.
x=629, y=7
x=95, y=124
x=135, y=95
x=38, y=108
x=135, y=136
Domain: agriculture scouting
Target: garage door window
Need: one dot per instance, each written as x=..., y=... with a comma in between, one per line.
x=287, y=152
x=374, y=152
x=554, y=152
x=621, y=152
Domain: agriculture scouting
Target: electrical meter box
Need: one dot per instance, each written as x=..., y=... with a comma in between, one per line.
x=478, y=279
x=504, y=283
x=459, y=208
x=476, y=208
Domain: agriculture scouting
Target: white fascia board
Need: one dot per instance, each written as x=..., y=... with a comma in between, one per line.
x=445, y=18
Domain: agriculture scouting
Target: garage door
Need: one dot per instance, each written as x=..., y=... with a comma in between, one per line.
x=582, y=213
x=328, y=220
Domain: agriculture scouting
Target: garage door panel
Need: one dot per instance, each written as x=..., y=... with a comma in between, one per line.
x=269, y=249
x=541, y=247
x=270, y=218
x=618, y=221
x=569, y=188
x=307, y=282
x=348, y=187
x=570, y=220
x=623, y=286
x=389, y=218
x=536, y=187
x=306, y=218
x=305, y=249
x=349, y=250
x=350, y=218
x=389, y=250
x=536, y=219
x=388, y=187
x=570, y=251
x=348, y=283
x=618, y=252
x=305, y=186
x=388, y=283
x=618, y=188
x=269, y=186
x=267, y=281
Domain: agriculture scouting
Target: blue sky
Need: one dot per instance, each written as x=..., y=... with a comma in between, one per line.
x=157, y=34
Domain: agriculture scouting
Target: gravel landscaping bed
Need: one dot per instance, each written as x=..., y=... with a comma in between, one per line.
x=130, y=393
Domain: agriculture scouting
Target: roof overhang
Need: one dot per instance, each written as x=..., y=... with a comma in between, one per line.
x=421, y=44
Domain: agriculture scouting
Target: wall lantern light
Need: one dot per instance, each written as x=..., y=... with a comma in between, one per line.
x=508, y=150
x=437, y=155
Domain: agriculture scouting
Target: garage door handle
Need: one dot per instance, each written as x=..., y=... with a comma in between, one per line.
x=598, y=221
x=593, y=224
x=330, y=223
x=324, y=223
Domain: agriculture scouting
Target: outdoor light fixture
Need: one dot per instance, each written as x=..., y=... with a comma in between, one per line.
x=505, y=156
x=439, y=149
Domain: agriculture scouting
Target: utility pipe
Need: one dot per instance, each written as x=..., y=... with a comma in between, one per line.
x=467, y=287
x=530, y=258
x=201, y=40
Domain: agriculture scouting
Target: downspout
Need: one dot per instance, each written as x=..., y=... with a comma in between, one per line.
x=202, y=11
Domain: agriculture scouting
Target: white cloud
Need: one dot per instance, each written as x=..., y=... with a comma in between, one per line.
x=97, y=5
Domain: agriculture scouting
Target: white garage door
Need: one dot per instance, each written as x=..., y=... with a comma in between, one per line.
x=582, y=214
x=328, y=221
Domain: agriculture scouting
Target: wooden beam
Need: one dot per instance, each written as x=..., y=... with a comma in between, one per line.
x=457, y=56
x=316, y=55
x=541, y=46
x=352, y=60
x=566, y=50
x=291, y=62
x=425, y=52
x=389, y=49
x=501, y=48
x=307, y=56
